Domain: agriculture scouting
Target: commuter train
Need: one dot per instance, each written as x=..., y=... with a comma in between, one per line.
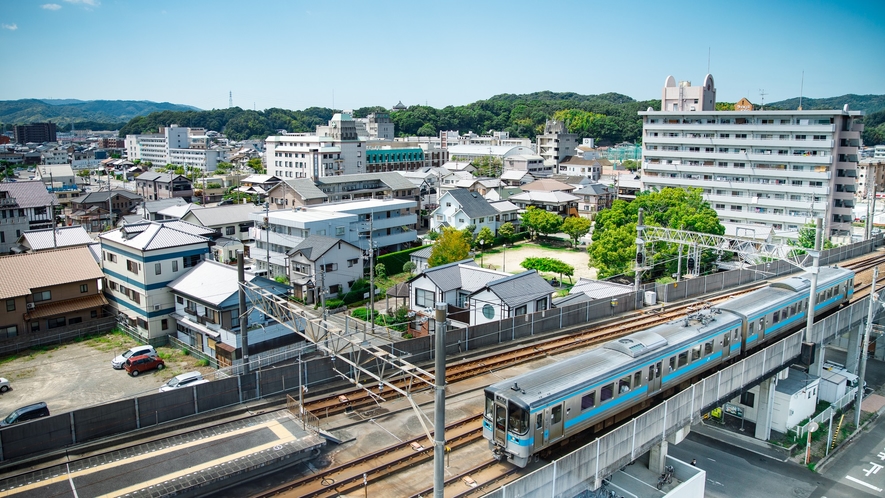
x=531, y=412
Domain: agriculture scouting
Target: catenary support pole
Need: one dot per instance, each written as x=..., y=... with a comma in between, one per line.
x=864, y=345
x=815, y=269
x=244, y=315
x=439, y=422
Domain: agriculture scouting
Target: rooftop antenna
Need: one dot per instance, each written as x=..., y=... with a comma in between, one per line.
x=762, y=94
x=801, y=89
x=230, y=99
x=708, y=60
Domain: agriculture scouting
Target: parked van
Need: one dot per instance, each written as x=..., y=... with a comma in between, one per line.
x=118, y=362
x=184, y=380
x=26, y=413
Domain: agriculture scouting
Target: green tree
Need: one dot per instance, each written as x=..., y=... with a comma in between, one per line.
x=83, y=173
x=484, y=238
x=409, y=267
x=380, y=270
x=506, y=231
x=575, y=228
x=257, y=167
x=452, y=245
x=807, y=237
x=630, y=165
x=488, y=166
x=427, y=130
x=540, y=221
x=613, y=250
x=549, y=265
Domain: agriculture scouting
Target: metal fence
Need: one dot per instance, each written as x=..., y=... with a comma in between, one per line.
x=94, y=327
x=584, y=469
x=826, y=414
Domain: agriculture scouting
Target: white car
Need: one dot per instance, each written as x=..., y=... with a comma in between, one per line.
x=4, y=385
x=184, y=380
x=118, y=361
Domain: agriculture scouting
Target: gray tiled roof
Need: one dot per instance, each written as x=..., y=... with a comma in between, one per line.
x=63, y=237
x=160, y=177
x=95, y=197
x=592, y=189
x=393, y=180
x=28, y=194
x=448, y=277
x=150, y=236
x=571, y=299
x=473, y=204
x=159, y=205
x=305, y=188
x=223, y=215
x=423, y=253
x=216, y=284
x=599, y=289
x=315, y=246
x=519, y=289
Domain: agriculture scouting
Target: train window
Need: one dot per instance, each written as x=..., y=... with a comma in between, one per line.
x=519, y=419
x=637, y=379
x=606, y=392
x=737, y=334
x=588, y=401
x=725, y=340
x=683, y=359
x=490, y=407
x=696, y=352
x=658, y=369
x=651, y=373
x=624, y=384
x=708, y=348
x=539, y=421
x=793, y=309
x=500, y=417
x=672, y=363
x=556, y=414
x=776, y=317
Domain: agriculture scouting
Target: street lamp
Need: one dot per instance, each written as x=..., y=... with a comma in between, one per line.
x=482, y=252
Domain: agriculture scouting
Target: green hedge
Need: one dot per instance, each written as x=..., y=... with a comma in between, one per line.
x=393, y=262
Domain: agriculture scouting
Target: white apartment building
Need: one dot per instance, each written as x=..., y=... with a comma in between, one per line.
x=177, y=145
x=333, y=150
x=375, y=126
x=779, y=169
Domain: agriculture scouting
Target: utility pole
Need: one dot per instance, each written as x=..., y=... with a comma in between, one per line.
x=439, y=420
x=244, y=315
x=815, y=269
x=864, y=345
x=322, y=287
x=371, y=274
x=267, y=235
x=640, y=250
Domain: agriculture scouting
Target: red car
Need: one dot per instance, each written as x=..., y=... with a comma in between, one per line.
x=142, y=363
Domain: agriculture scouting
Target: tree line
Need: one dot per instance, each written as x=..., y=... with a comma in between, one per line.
x=608, y=118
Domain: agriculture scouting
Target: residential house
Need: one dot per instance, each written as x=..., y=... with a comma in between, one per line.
x=561, y=203
x=510, y=296
x=515, y=177
x=576, y=165
x=91, y=210
x=150, y=210
x=14, y=221
x=139, y=261
x=530, y=163
x=296, y=192
x=32, y=201
x=49, y=238
x=460, y=208
x=178, y=211
x=508, y=212
x=207, y=313
x=258, y=185
x=233, y=221
x=420, y=257
x=326, y=265
x=547, y=185
x=594, y=198
x=458, y=165
x=48, y=293
x=452, y=283
x=154, y=186
x=502, y=193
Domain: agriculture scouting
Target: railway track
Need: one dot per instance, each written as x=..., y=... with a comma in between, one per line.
x=348, y=477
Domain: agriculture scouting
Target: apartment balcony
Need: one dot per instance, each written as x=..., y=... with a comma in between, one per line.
x=731, y=171
x=382, y=241
x=767, y=202
x=746, y=156
x=738, y=142
x=739, y=128
x=379, y=223
x=781, y=188
x=752, y=217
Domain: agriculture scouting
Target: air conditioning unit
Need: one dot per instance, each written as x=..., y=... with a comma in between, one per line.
x=31, y=306
x=156, y=307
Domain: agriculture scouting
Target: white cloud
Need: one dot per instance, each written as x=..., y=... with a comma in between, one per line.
x=10, y=27
x=89, y=3
x=50, y=6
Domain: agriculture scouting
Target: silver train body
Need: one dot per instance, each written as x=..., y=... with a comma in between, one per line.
x=531, y=412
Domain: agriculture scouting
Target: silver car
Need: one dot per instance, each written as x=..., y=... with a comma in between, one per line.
x=118, y=361
x=4, y=385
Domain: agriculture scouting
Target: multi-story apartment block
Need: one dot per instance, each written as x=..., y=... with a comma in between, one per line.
x=139, y=261
x=869, y=172
x=31, y=200
x=376, y=126
x=775, y=168
x=35, y=132
x=556, y=143
x=189, y=147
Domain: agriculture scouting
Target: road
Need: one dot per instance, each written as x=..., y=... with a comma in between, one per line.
x=860, y=468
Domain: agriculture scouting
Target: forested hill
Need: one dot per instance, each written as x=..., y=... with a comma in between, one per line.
x=94, y=114
x=867, y=103
x=609, y=118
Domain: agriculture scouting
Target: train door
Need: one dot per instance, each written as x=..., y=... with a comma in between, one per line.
x=654, y=378
x=554, y=421
x=500, y=430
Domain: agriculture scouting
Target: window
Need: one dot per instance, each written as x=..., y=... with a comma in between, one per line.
x=55, y=322
x=42, y=296
x=539, y=422
x=351, y=262
x=556, y=415
x=174, y=266
x=190, y=261
x=158, y=268
x=10, y=305
x=683, y=359
x=588, y=401
x=624, y=384
x=708, y=348
x=696, y=352
x=606, y=392
x=424, y=298
x=164, y=324
x=135, y=297
x=335, y=289
x=35, y=326
x=520, y=311
x=10, y=331
x=230, y=230
x=76, y=319
x=179, y=299
x=132, y=266
x=330, y=267
x=142, y=323
x=748, y=399
x=541, y=304
x=339, y=231
x=93, y=314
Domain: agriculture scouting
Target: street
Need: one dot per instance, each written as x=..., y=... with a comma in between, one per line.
x=859, y=468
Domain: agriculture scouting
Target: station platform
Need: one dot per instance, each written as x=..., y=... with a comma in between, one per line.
x=191, y=464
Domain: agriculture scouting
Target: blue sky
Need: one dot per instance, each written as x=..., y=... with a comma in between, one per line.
x=297, y=54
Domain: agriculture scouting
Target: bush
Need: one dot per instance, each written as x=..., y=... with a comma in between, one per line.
x=361, y=314
x=356, y=292
x=334, y=303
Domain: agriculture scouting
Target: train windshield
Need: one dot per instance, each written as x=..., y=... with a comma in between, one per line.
x=519, y=419
x=490, y=406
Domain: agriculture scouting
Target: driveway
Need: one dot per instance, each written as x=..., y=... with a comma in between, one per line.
x=513, y=257
x=77, y=375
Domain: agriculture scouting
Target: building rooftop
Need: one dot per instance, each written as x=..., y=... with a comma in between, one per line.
x=217, y=284
x=224, y=215
x=516, y=290
x=599, y=289
x=102, y=196
x=548, y=197
x=466, y=275
x=547, y=185
x=351, y=206
x=22, y=274
x=48, y=238
x=392, y=179
x=315, y=246
x=473, y=204
x=28, y=194
x=152, y=235
x=305, y=188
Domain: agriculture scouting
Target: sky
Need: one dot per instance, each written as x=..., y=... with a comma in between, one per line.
x=348, y=54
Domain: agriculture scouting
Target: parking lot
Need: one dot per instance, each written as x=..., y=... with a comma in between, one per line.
x=76, y=375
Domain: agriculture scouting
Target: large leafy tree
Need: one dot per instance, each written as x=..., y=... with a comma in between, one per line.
x=487, y=166
x=452, y=245
x=549, y=265
x=614, y=237
x=539, y=221
x=506, y=231
x=575, y=228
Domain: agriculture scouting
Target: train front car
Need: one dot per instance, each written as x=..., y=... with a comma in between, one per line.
x=506, y=424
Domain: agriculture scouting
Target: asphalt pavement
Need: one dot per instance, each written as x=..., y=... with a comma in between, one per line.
x=859, y=469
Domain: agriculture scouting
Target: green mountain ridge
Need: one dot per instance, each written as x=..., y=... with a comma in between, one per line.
x=867, y=103
x=65, y=112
